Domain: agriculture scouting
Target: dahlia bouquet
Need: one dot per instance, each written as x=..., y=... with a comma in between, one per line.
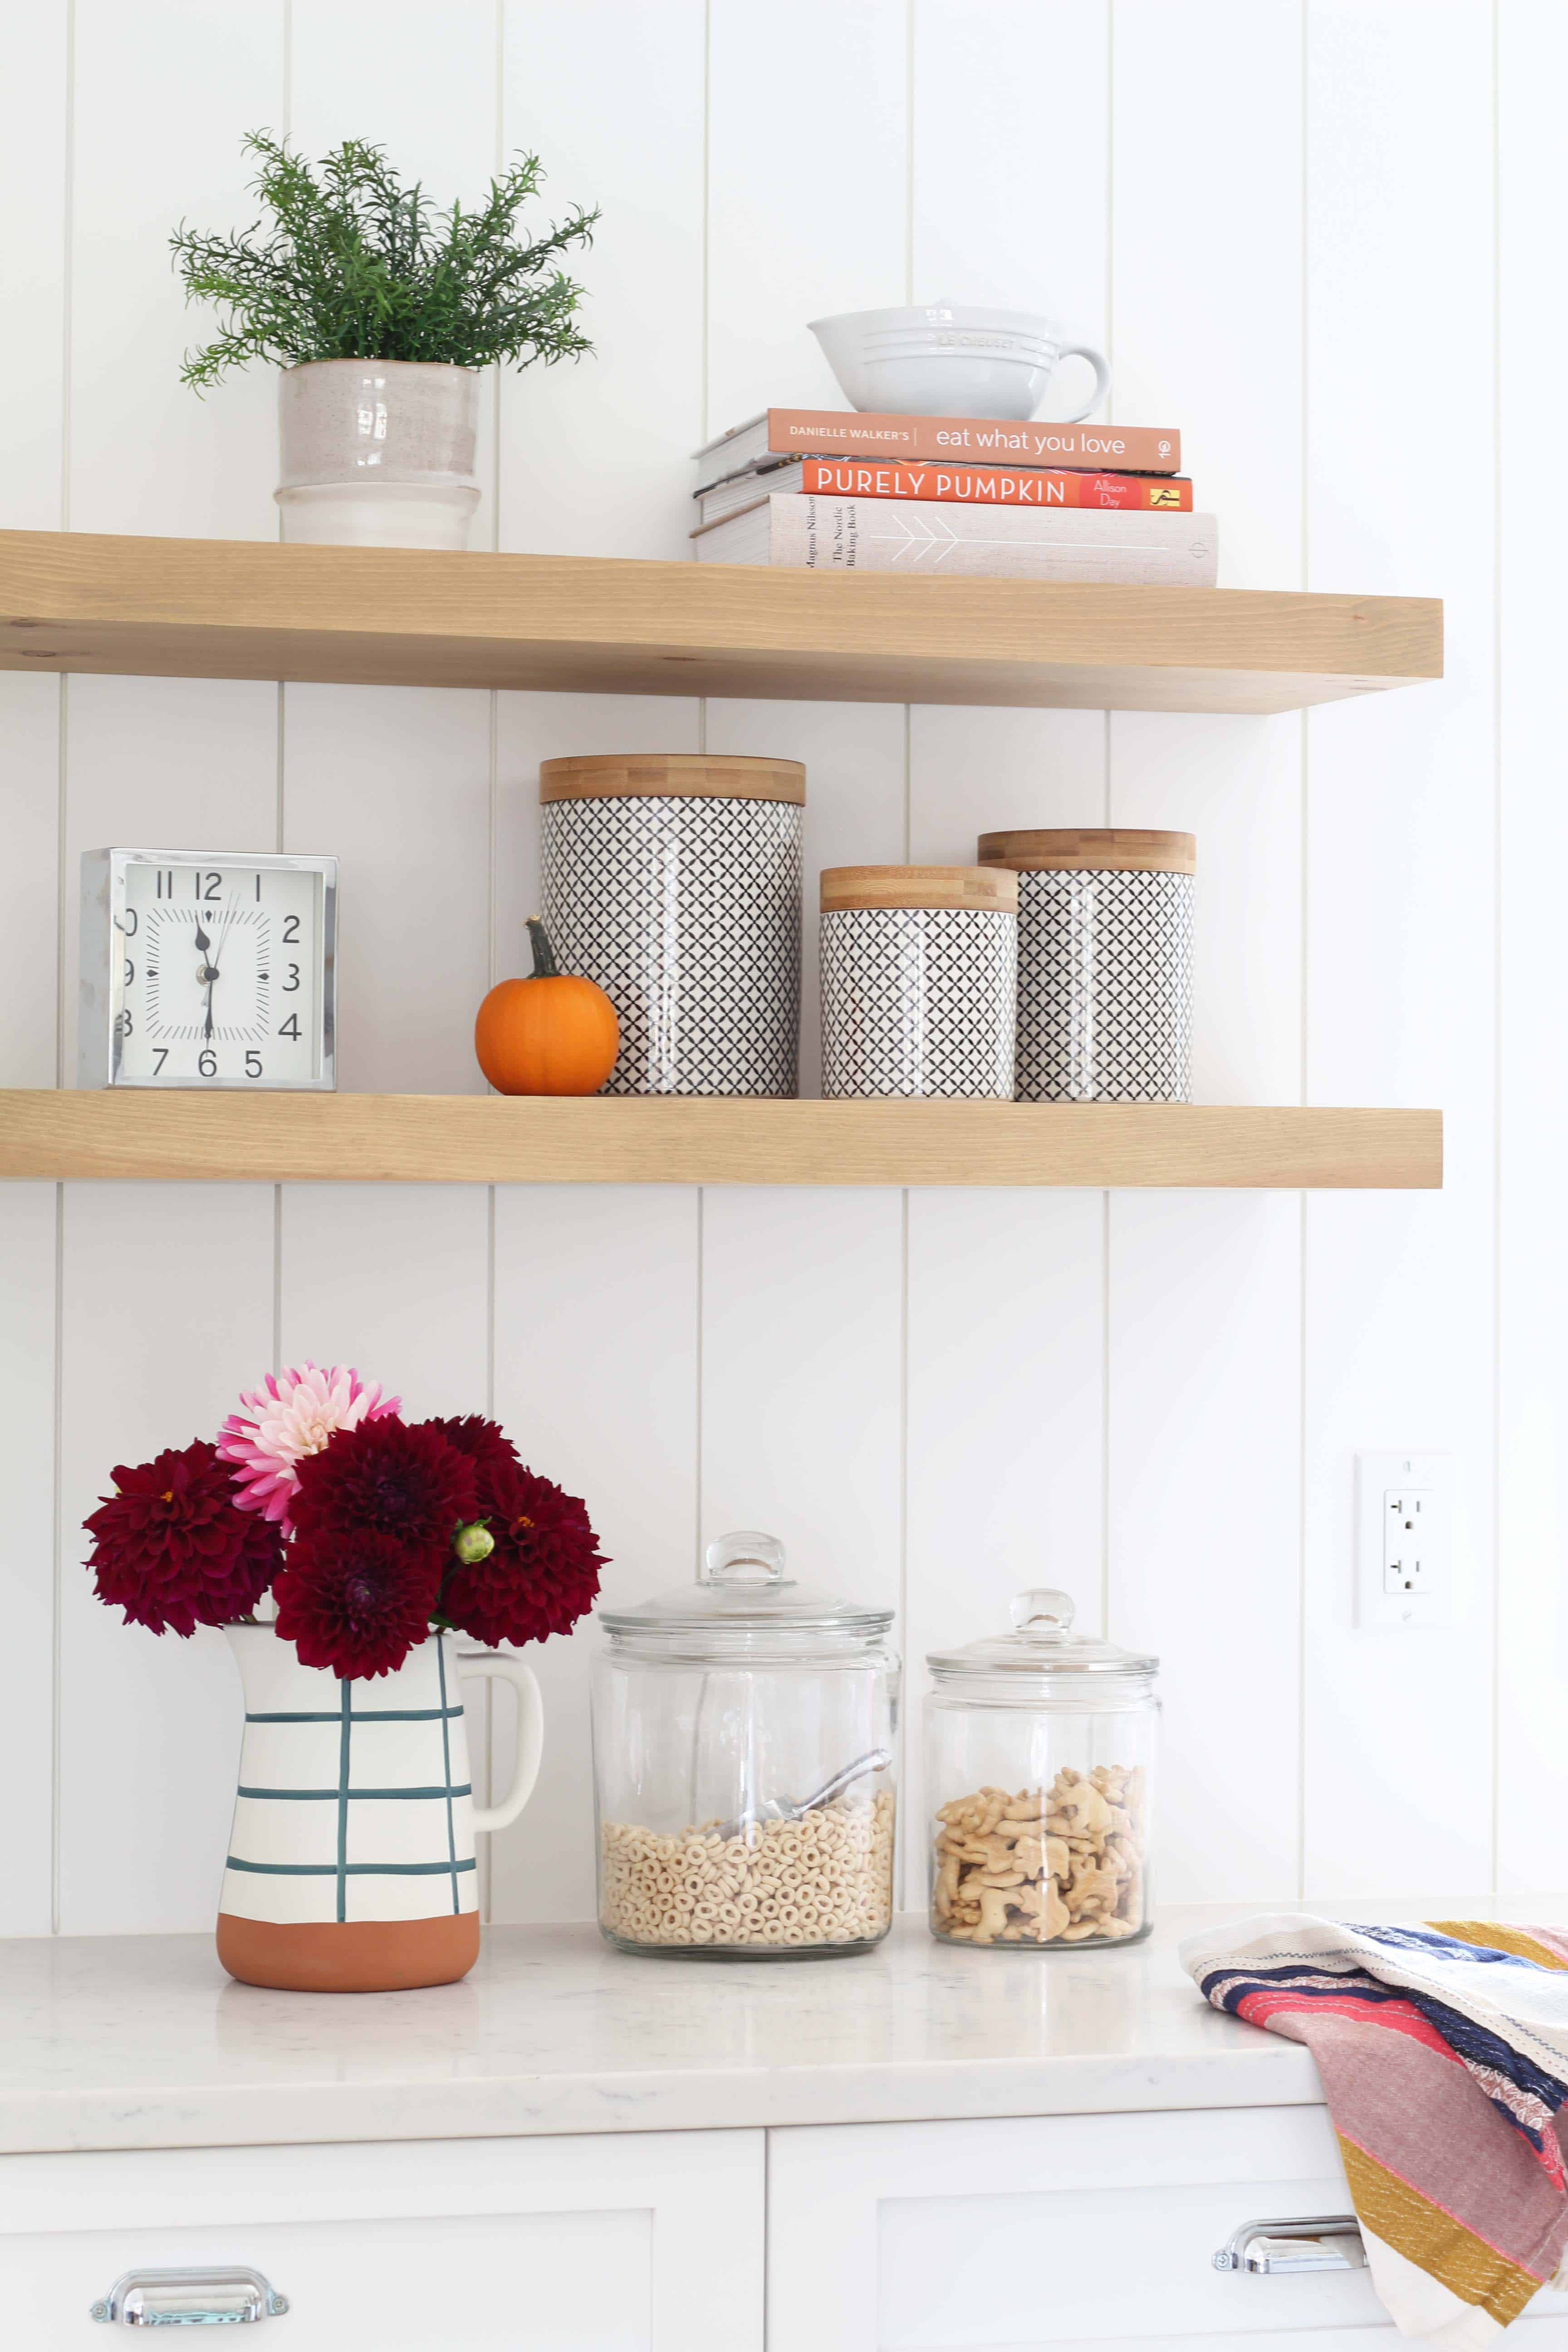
x=369, y=1530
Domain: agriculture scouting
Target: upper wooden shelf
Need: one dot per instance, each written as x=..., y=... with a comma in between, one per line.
x=370, y=616
x=484, y=1139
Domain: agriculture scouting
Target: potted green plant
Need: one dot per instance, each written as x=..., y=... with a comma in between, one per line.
x=381, y=311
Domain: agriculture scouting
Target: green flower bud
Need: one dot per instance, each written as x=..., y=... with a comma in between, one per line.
x=473, y=1543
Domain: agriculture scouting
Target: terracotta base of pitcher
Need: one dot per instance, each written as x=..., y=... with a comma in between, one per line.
x=361, y=1956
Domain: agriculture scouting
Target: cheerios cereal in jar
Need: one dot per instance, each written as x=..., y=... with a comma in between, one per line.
x=744, y=1729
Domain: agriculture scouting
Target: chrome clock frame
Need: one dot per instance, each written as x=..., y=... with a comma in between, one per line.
x=102, y=994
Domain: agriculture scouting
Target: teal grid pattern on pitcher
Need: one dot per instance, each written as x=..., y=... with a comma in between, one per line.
x=360, y=1810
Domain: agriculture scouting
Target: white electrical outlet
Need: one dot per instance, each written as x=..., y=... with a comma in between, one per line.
x=1405, y=1572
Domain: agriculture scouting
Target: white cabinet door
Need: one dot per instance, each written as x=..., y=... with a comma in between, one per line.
x=648, y=2242
x=1068, y=2232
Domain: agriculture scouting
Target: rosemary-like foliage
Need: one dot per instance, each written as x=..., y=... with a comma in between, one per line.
x=352, y=265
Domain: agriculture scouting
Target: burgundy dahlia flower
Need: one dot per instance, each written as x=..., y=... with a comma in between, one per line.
x=389, y=1476
x=355, y=1600
x=173, y=1548
x=484, y=1442
x=543, y=1573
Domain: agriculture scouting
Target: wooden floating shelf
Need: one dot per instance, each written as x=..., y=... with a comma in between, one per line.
x=484, y=1139
x=372, y=616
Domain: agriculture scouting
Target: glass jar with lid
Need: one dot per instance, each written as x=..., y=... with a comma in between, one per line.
x=745, y=1731
x=1040, y=1751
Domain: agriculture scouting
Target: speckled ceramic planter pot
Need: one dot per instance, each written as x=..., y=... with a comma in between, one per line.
x=350, y=1864
x=378, y=453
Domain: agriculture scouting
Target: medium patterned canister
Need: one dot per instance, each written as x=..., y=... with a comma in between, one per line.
x=673, y=879
x=1105, y=963
x=919, y=970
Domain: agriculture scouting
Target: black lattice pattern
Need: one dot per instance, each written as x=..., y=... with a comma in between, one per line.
x=686, y=912
x=1105, y=987
x=918, y=1000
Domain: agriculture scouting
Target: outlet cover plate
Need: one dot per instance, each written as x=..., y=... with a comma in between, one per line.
x=1405, y=1558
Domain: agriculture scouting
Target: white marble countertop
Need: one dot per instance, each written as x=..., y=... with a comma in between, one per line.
x=141, y=2042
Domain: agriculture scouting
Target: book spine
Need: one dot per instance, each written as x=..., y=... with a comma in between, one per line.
x=820, y=534
x=997, y=486
x=973, y=440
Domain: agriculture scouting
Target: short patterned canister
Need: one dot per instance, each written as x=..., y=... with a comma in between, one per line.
x=920, y=970
x=351, y=1863
x=1105, y=963
x=673, y=879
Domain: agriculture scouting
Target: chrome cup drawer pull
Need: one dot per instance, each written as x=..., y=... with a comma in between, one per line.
x=232, y=2296
x=1329, y=2241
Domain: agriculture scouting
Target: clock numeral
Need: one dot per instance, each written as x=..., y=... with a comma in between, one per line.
x=165, y=875
x=292, y=983
x=162, y=1054
x=290, y=930
x=128, y=922
x=209, y=886
x=259, y=889
x=129, y=973
x=252, y=1062
x=122, y=1022
x=290, y=1027
x=206, y=1063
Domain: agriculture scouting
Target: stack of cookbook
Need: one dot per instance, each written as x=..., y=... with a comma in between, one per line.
x=842, y=490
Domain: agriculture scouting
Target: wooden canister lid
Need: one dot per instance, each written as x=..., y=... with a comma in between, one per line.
x=1078, y=852
x=647, y=775
x=989, y=890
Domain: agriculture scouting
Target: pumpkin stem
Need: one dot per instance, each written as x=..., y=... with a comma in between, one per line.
x=544, y=964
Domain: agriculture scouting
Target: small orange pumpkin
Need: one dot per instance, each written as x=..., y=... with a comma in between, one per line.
x=552, y=1034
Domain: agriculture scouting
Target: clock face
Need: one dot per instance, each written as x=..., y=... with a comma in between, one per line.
x=223, y=973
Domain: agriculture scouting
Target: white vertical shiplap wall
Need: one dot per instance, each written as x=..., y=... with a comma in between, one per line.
x=1006, y=1327
x=1530, y=1788
x=1205, y=1345
x=1262, y=209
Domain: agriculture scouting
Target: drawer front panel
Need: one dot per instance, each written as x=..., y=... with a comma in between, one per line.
x=1063, y=2232
x=581, y=2280
x=650, y=2242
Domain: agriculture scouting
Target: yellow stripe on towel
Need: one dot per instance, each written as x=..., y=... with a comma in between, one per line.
x=1472, y=2271
x=1488, y=1936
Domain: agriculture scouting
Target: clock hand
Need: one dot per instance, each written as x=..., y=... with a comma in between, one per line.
x=206, y=971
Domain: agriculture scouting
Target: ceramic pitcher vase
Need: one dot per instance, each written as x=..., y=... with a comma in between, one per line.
x=351, y=1864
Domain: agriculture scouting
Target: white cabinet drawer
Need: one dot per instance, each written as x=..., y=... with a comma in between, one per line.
x=650, y=2242
x=1066, y=2233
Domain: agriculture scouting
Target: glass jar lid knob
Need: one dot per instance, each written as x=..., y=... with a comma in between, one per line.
x=743, y=1557
x=1042, y=1612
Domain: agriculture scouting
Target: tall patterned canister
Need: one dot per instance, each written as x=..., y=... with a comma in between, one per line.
x=673, y=879
x=1105, y=963
x=919, y=970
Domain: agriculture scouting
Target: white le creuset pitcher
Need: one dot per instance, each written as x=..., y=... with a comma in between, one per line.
x=351, y=1864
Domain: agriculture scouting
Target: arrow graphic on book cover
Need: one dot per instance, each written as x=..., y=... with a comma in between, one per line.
x=919, y=537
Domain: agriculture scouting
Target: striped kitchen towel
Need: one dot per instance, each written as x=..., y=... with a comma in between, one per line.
x=1443, y=2053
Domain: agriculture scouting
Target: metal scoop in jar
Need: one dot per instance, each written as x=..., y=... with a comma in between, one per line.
x=786, y=1808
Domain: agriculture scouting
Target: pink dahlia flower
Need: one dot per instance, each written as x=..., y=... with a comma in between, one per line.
x=289, y=1416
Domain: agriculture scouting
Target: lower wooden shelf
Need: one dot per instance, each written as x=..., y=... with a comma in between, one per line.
x=483, y=1140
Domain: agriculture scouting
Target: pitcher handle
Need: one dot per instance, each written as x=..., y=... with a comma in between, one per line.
x=495, y=1668
x=1101, y=377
